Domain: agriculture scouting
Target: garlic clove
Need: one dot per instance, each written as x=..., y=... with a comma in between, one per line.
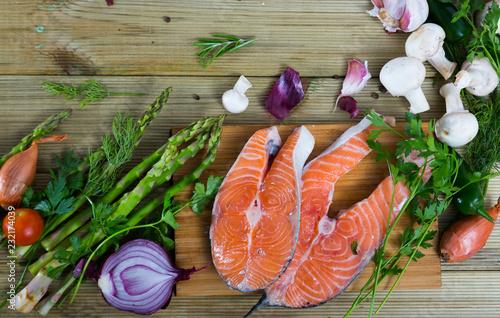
x=415, y=14
x=378, y=3
x=356, y=78
x=395, y=8
x=402, y=15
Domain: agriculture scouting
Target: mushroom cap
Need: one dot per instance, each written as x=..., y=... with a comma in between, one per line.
x=425, y=42
x=402, y=75
x=457, y=128
x=483, y=78
x=234, y=102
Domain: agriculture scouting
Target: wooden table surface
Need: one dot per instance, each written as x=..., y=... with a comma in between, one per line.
x=145, y=46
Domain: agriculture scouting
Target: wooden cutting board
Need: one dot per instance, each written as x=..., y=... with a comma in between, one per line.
x=192, y=237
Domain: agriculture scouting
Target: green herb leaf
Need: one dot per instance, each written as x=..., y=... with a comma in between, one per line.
x=220, y=44
x=202, y=197
x=89, y=91
x=354, y=248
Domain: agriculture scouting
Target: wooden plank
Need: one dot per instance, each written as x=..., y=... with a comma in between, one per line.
x=192, y=237
x=192, y=98
x=463, y=294
x=81, y=37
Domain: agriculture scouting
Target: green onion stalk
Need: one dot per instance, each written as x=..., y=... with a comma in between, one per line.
x=161, y=172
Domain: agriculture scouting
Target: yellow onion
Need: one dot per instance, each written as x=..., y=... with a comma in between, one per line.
x=18, y=173
x=467, y=236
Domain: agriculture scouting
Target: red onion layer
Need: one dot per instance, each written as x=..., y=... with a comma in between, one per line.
x=139, y=277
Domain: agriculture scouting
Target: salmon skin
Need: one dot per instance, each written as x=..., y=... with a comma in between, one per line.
x=256, y=214
x=325, y=264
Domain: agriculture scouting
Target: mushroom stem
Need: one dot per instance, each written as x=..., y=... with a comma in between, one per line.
x=457, y=127
x=451, y=94
x=466, y=78
x=403, y=76
x=418, y=102
x=242, y=85
x=426, y=44
x=444, y=66
x=478, y=78
x=234, y=100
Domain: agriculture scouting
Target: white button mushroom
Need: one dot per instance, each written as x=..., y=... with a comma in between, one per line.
x=234, y=100
x=403, y=76
x=478, y=78
x=426, y=44
x=457, y=127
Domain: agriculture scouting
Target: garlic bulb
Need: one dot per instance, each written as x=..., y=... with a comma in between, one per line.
x=404, y=15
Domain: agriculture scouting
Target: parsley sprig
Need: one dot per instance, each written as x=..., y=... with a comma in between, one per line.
x=484, y=41
x=58, y=197
x=437, y=193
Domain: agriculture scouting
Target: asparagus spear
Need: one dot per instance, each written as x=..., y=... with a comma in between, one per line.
x=182, y=136
x=27, y=298
x=41, y=130
x=149, y=115
x=108, y=171
x=45, y=306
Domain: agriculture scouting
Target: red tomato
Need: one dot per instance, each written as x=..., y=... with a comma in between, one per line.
x=23, y=226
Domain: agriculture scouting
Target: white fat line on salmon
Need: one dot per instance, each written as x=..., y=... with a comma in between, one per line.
x=348, y=134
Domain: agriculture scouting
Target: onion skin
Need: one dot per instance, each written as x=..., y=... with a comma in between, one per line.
x=467, y=236
x=18, y=173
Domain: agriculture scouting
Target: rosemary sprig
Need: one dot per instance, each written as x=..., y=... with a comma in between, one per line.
x=221, y=43
x=88, y=91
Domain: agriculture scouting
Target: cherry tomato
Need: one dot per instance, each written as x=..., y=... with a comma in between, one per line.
x=23, y=226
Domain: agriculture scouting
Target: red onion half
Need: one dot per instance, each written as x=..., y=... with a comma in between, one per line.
x=139, y=277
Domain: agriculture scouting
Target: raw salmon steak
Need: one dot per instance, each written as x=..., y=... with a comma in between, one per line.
x=331, y=253
x=256, y=214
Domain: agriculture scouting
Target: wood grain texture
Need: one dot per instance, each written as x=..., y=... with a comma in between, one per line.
x=82, y=37
x=192, y=237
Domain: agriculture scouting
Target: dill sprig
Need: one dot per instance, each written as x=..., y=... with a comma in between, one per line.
x=483, y=152
x=88, y=91
x=118, y=147
x=218, y=45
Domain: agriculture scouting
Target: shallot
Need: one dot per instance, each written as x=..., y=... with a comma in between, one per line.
x=467, y=236
x=18, y=173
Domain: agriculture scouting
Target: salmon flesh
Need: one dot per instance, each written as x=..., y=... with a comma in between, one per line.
x=256, y=214
x=331, y=253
